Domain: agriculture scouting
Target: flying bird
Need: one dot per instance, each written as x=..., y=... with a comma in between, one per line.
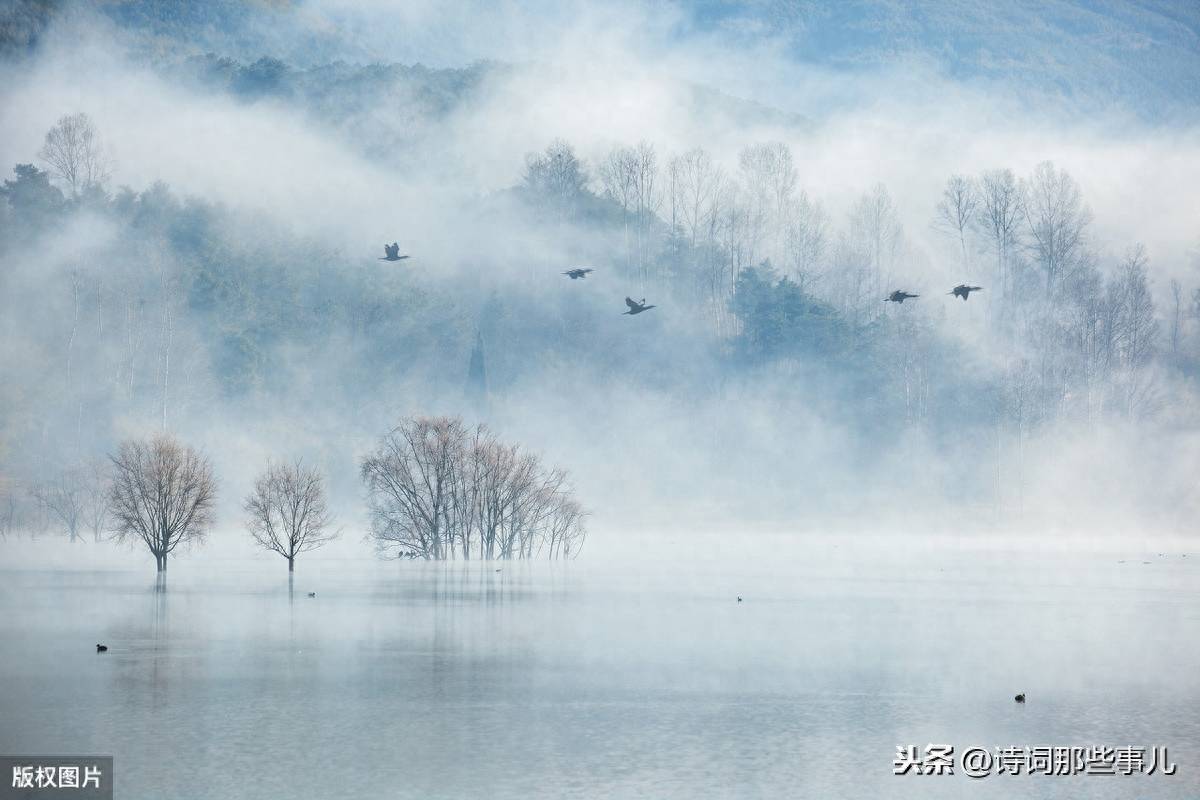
x=578, y=272
x=964, y=291
x=101, y=648
x=1020, y=698
x=899, y=297
x=392, y=252
x=312, y=594
x=635, y=307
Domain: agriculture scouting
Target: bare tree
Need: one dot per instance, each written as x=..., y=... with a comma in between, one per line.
x=618, y=175
x=96, y=487
x=409, y=480
x=876, y=227
x=647, y=198
x=8, y=506
x=1056, y=220
x=999, y=212
x=63, y=498
x=288, y=512
x=74, y=153
x=956, y=212
x=556, y=179
x=807, y=233
x=769, y=179
x=162, y=494
x=1135, y=333
x=1176, y=322
x=566, y=530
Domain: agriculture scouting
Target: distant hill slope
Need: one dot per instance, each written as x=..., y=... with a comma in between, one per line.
x=1143, y=55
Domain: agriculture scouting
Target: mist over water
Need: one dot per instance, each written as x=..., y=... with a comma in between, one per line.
x=924, y=507
x=606, y=677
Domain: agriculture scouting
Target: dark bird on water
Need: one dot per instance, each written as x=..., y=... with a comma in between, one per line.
x=739, y=598
x=101, y=648
x=312, y=594
x=899, y=296
x=392, y=252
x=964, y=291
x=635, y=307
x=1020, y=698
x=578, y=272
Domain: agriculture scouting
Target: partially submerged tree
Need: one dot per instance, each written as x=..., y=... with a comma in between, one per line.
x=95, y=496
x=441, y=491
x=288, y=512
x=63, y=498
x=162, y=494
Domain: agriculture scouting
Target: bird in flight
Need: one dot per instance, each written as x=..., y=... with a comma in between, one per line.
x=392, y=252
x=635, y=307
x=899, y=297
x=578, y=272
x=964, y=291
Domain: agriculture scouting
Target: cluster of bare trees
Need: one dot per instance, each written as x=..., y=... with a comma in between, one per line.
x=1083, y=340
x=73, y=499
x=698, y=224
x=437, y=489
x=163, y=494
x=441, y=490
x=1086, y=341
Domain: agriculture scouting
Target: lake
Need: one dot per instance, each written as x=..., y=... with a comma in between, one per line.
x=609, y=677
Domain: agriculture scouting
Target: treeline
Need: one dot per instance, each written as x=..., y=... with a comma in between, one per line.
x=188, y=308
x=437, y=491
x=765, y=263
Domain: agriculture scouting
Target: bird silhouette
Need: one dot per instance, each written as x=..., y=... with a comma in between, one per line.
x=312, y=594
x=392, y=252
x=635, y=307
x=578, y=272
x=739, y=598
x=101, y=648
x=899, y=296
x=964, y=291
x=1020, y=698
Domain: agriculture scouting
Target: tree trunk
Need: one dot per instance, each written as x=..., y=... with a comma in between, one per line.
x=291, y=563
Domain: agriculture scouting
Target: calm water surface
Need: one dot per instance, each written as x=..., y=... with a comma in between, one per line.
x=604, y=679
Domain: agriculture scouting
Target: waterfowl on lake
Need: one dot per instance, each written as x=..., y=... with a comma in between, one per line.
x=312, y=594
x=101, y=648
x=1020, y=698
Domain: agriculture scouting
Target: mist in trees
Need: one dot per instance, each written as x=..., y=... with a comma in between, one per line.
x=150, y=307
x=75, y=154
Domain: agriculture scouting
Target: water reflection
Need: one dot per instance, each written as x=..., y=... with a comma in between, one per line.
x=424, y=680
